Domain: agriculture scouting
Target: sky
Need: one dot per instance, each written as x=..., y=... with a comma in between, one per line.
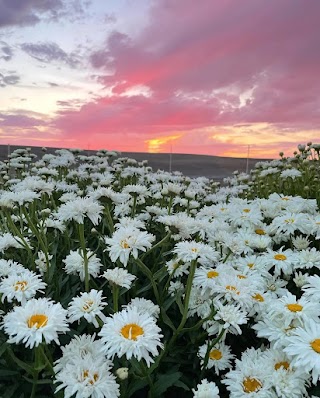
x=214, y=77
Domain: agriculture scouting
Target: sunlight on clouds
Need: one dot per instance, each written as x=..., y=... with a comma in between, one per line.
x=156, y=144
x=139, y=89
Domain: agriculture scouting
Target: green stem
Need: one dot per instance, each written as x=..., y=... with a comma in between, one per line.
x=115, y=295
x=209, y=348
x=185, y=306
x=85, y=257
x=157, y=245
x=133, y=210
x=109, y=218
x=149, y=275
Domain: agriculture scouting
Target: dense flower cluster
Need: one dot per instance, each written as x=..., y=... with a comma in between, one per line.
x=119, y=281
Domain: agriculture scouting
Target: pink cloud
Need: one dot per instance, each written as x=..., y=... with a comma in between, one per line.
x=197, y=60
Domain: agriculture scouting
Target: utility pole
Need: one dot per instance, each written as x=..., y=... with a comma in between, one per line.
x=170, y=159
x=248, y=154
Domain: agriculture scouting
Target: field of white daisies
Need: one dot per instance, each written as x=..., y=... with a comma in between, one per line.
x=120, y=281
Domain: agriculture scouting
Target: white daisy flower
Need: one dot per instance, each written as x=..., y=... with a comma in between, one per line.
x=288, y=382
x=228, y=317
x=81, y=347
x=200, y=302
x=308, y=258
x=274, y=330
x=21, y=286
x=132, y=334
x=312, y=287
x=7, y=240
x=119, y=276
x=37, y=321
x=220, y=356
x=303, y=347
x=143, y=305
x=79, y=208
x=126, y=241
x=206, y=389
x=176, y=268
x=74, y=264
x=87, y=378
x=282, y=260
x=41, y=262
x=87, y=305
x=206, y=278
x=288, y=223
x=188, y=251
x=8, y=267
x=249, y=378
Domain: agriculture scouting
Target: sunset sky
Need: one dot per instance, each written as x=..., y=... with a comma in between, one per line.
x=206, y=77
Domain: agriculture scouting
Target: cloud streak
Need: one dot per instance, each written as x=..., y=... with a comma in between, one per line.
x=50, y=52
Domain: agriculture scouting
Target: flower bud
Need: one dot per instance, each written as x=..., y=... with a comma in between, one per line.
x=122, y=373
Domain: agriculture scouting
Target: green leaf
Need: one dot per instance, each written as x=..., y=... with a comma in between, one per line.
x=3, y=348
x=165, y=381
x=7, y=372
x=167, y=320
x=136, y=386
x=179, y=383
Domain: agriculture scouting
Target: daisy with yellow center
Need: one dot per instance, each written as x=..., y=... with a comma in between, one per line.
x=220, y=356
x=21, y=286
x=88, y=306
x=87, y=377
x=250, y=384
x=126, y=242
x=249, y=377
x=131, y=333
x=39, y=320
x=292, y=310
x=207, y=278
x=303, y=348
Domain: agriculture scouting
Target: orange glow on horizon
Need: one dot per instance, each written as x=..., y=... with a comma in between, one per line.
x=155, y=144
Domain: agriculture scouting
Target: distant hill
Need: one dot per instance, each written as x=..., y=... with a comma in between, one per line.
x=214, y=167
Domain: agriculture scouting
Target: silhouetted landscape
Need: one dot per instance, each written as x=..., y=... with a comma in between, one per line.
x=214, y=167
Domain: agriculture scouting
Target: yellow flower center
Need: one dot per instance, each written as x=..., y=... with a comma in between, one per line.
x=284, y=198
x=124, y=244
x=93, y=379
x=233, y=289
x=131, y=331
x=250, y=265
x=87, y=306
x=260, y=231
x=37, y=320
x=289, y=221
x=241, y=277
x=279, y=257
x=20, y=285
x=212, y=274
x=285, y=365
x=315, y=345
x=215, y=355
x=258, y=297
x=294, y=307
x=194, y=250
x=246, y=210
x=251, y=384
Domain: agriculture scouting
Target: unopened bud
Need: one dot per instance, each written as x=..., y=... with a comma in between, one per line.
x=122, y=373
